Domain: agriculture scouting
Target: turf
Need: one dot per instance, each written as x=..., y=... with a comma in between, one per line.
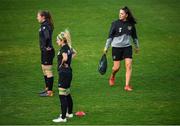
x=156, y=69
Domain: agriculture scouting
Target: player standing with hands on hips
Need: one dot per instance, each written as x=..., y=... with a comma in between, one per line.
x=119, y=38
x=65, y=55
x=47, y=50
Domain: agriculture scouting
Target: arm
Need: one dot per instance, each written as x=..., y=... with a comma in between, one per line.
x=134, y=36
x=74, y=53
x=135, y=39
x=65, y=57
x=110, y=38
x=46, y=37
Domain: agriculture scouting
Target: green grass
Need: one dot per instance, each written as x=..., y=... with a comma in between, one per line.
x=156, y=69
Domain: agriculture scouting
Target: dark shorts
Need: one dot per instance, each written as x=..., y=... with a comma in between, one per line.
x=47, y=57
x=121, y=53
x=65, y=77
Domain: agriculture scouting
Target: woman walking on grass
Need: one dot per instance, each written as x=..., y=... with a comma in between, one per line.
x=119, y=38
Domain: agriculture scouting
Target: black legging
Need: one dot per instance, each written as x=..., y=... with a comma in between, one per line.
x=66, y=105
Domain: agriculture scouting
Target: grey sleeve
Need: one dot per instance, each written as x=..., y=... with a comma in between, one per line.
x=108, y=43
x=135, y=38
x=136, y=43
x=111, y=36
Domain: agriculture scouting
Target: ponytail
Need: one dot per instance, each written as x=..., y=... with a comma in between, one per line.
x=130, y=17
x=48, y=17
x=66, y=37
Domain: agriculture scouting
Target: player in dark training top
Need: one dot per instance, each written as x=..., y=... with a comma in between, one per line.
x=47, y=50
x=121, y=32
x=64, y=57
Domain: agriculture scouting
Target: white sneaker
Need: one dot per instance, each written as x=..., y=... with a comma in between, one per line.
x=67, y=115
x=59, y=119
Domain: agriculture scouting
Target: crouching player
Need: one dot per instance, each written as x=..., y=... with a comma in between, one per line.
x=64, y=57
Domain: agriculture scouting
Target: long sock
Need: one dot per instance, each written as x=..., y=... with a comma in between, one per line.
x=50, y=83
x=46, y=81
x=69, y=104
x=63, y=101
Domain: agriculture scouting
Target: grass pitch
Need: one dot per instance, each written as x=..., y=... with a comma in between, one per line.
x=156, y=69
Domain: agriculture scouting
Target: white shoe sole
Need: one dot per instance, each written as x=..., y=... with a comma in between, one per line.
x=57, y=120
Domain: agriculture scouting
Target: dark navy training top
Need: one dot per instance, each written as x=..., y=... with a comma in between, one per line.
x=64, y=49
x=120, y=34
x=45, y=36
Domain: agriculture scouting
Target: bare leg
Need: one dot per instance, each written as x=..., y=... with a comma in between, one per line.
x=128, y=64
x=115, y=68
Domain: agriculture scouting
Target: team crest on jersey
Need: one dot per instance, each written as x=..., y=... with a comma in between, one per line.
x=129, y=28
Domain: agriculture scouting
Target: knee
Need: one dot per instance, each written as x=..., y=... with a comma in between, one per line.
x=44, y=70
x=128, y=66
x=49, y=74
x=48, y=71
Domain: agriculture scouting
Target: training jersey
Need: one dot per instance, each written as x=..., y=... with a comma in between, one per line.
x=64, y=49
x=120, y=34
x=45, y=36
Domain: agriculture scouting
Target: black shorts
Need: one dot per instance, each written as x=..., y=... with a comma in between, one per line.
x=120, y=53
x=65, y=78
x=47, y=57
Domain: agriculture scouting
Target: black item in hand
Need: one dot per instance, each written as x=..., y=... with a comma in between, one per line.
x=102, y=65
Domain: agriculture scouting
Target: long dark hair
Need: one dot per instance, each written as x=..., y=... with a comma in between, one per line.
x=130, y=17
x=47, y=16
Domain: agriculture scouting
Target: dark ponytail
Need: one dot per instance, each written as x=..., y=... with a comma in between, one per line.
x=48, y=17
x=130, y=17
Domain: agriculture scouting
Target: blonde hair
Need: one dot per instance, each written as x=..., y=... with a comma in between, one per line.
x=66, y=36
